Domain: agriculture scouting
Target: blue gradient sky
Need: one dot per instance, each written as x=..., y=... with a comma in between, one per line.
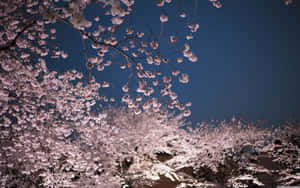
x=248, y=55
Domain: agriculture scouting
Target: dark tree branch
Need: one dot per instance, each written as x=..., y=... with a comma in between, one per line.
x=126, y=39
x=13, y=42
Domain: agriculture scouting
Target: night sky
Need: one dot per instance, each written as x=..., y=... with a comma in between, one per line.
x=248, y=57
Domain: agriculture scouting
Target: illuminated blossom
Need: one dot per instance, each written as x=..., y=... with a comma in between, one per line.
x=182, y=15
x=154, y=45
x=100, y=67
x=187, y=113
x=179, y=60
x=167, y=79
x=173, y=39
x=117, y=21
x=194, y=27
x=160, y=3
x=125, y=88
x=163, y=18
x=105, y=84
x=184, y=78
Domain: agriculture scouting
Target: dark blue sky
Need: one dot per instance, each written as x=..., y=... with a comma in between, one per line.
x=248, y=57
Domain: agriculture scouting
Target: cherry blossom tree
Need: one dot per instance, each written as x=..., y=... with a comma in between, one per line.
x=51, y=133
x=41, y=109
x=28, y=33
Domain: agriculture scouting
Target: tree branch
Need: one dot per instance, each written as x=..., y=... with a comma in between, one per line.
x=13, y=42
